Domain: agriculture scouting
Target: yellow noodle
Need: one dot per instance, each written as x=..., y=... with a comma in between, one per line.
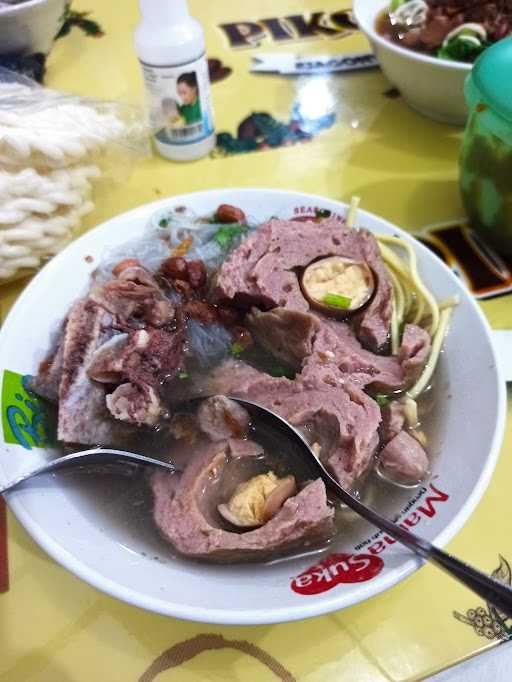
x=396, y=267
x=352, y=211
x=399, y=294
x=410, y=411
x=437, y=343
x=411, y=275
x=420, y=437
x=412, y=302
x=420, y=310
x=449, y=302
x=395, y=261
x=395, y=330
x=409, y=298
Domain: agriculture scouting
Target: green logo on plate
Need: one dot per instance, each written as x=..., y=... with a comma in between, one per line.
x=25, y=419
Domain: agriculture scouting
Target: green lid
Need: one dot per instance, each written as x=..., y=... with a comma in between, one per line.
x=490, y=81
x=489, y=88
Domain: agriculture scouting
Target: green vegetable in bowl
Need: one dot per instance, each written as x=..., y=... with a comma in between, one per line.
x=337, y=301
x=280, y=371
x=395, y=4
x=382, y=400
x=225, y=235
x=464, y=44
x=236, y=349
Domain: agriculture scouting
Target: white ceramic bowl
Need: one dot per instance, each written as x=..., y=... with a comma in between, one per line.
x=109, y=552
x=31, y=26
x=431, y=86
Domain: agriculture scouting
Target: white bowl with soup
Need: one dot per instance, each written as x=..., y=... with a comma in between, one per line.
x=100, y=526
x=432, y=86
x=30, y=27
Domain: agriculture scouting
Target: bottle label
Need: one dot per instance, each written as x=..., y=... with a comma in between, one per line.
x=179, y=101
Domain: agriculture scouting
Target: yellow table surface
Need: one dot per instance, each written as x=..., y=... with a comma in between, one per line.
x=55, y=628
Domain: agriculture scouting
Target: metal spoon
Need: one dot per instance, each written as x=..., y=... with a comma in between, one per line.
x=96, y=457
x=489, y=589
x=263, y=419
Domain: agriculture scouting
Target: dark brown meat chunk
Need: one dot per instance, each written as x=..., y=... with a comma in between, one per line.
x=435, y=31
x=47, y=381
x=143, y=357
x=287, y=334
x=230, y=214
x=193, y=272
x=444, y=16
x=134, y=298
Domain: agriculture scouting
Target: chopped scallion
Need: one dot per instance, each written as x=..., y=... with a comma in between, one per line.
x=280, y=371
x=225, y=235
x=183, y=375
x=337, y=301
x=237, y=349
x=382, y=400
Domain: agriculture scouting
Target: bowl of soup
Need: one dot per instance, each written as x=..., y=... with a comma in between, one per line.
x=140, y=334
x=430, y=84
x=30, y=26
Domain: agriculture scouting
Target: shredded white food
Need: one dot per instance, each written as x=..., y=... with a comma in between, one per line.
x=468, y=26
x=59, y=131
x=39, y=212
x=50, y=146
x=411, y=14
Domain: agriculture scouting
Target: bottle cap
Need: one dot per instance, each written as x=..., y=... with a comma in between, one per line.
x=168, y=10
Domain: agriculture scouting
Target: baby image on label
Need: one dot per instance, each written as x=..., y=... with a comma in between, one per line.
x=188, y=92
x=182, y=116
x=181, y=105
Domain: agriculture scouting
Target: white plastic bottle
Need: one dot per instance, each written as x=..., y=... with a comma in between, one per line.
x=171, y=50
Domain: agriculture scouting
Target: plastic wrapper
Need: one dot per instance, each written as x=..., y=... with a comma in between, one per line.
x=53, y=148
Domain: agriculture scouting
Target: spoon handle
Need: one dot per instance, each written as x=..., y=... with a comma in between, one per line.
x=489, y=589
x=96, y=456
x=494, y=592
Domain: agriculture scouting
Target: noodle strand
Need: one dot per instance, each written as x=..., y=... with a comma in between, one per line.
x=437, y=343
x=352, y=211
x=412, y=276
x=412, y=302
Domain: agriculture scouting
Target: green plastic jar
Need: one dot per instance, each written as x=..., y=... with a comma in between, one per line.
x=486, y=154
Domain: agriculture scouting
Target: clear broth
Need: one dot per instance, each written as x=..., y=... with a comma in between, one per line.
x=121, y=501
